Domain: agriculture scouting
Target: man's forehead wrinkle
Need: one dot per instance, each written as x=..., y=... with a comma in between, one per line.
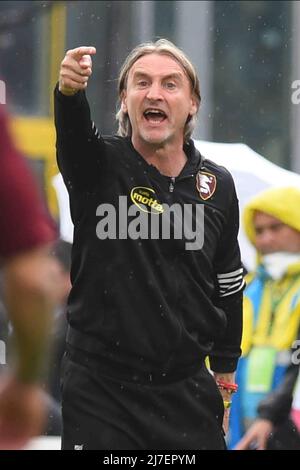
x=169, y=68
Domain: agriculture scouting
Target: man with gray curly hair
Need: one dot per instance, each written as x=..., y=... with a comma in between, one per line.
x=156, y=272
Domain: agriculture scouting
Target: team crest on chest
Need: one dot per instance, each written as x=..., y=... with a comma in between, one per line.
x=206, y=184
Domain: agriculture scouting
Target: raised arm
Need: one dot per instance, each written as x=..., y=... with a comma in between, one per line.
x=78, y=144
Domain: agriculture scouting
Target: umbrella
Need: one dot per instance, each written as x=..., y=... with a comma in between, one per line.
x=252, y=174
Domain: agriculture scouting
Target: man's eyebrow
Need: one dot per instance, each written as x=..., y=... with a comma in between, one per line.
x=271, y=225
x=139, y=73
x=174, y=75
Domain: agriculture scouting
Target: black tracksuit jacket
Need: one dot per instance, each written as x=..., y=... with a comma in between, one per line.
x=148, y=303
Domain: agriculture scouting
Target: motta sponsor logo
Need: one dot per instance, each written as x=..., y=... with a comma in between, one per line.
x=145, y=199
x=142, y=216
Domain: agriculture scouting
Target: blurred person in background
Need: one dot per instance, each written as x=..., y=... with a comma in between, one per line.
x=271, y=303
x=29, y=284
x=277, y=426
x=144, y=311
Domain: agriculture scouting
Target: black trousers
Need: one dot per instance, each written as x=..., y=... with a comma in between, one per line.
x=106, y=413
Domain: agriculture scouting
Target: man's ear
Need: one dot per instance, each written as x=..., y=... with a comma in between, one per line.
x=124, y=102
x=194, y=106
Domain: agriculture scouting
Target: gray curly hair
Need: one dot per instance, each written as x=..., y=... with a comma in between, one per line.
x=164, y=47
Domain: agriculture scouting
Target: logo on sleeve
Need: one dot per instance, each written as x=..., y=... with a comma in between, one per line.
x=206, y=184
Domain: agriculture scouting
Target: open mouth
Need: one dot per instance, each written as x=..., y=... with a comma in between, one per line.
x=155, y=116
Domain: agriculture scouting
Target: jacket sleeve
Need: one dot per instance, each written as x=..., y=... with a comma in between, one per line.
x=229, y=293
x=80, y=149
x=277, y=406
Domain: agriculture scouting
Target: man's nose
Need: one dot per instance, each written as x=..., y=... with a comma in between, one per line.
x=154, y=92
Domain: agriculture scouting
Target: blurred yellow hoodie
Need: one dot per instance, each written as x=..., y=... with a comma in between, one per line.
x=284, y=204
